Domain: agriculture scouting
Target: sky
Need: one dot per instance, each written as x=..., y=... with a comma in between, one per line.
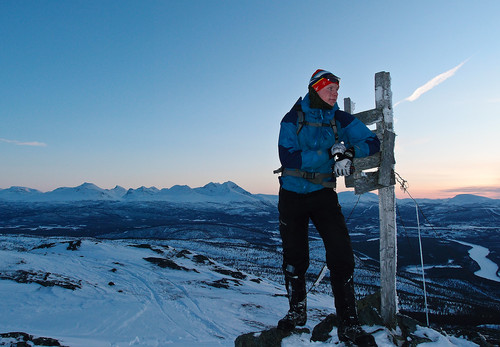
x=164, y=93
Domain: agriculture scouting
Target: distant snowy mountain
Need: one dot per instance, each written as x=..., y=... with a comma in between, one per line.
x=118, y=192
x=141, y=194
x=19, y=194
x=86, y=191
x=469, y=199
x=211, y=193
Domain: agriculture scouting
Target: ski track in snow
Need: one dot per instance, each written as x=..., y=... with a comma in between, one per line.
x=190, y=309
x=153, y=299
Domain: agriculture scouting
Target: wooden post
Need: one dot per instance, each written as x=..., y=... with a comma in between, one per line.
x=348, y=105
x=382, y=179
x=387, y=201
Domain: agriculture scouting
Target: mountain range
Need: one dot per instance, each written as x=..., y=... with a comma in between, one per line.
x=211, y=192
x=226, y=192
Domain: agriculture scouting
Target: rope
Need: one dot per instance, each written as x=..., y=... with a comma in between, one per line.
x=404, y=186
x=356, y=204
x=422, y=264
x=405, y=233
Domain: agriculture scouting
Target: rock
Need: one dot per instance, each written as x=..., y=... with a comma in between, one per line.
x=24, y=339
x=74, y=245
x=369, y=310
x=45, y=279
x=321, y=331
x=266, y=338
x=166, y=263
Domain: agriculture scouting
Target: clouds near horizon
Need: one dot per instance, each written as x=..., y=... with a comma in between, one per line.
x=22, y=143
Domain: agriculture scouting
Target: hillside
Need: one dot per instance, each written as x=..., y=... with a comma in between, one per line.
x=87, y=292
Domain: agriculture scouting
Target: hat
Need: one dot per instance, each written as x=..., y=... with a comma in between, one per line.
x=321, y=78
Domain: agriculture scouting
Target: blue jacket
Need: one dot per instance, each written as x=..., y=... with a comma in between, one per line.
x=309, y=150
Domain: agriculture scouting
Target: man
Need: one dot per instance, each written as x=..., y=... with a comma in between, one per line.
x=317, y=143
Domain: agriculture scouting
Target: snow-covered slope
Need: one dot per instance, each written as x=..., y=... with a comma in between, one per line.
x=16, y=193
x=128, y=294
x=86, y=191
x=120, y=293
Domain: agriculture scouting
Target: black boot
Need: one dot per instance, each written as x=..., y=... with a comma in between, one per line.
x=349, y=328
x=353, y=332
x=296, y=316
x=296, y=289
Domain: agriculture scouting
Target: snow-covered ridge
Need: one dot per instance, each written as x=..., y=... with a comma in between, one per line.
x=212, y=192
x=227, y=192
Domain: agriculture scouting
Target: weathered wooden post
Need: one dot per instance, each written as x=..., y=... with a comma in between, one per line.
x=387, y=201
x=383, y=179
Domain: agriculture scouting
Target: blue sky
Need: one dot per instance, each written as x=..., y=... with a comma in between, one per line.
x=159, y=93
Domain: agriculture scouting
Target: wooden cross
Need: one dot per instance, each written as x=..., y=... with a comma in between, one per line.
x=381, y=177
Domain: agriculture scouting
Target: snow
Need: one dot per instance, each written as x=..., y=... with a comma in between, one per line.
x=123, y=299
x=440, y=340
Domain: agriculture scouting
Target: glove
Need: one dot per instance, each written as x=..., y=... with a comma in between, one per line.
x=337, y=149
x=343, y=164
x=342, y=167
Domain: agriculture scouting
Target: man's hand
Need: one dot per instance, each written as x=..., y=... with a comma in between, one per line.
x=343, y=164
x=337, y=149
x=342, y=168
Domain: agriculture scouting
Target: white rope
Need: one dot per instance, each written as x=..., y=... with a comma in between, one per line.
x=404, y=187
x=422, y=265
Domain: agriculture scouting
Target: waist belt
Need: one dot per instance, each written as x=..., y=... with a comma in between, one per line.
x=313, y=177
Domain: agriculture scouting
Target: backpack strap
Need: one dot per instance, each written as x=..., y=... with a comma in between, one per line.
x=301, y=122
x=334, y=128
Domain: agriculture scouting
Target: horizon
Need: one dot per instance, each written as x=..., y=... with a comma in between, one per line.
x=404, y=196
x=168, y=93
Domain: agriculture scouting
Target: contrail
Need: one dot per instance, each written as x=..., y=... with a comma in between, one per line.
x=432, y=83
x=20, y=143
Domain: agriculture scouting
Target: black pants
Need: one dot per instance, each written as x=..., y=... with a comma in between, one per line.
x=323, y=209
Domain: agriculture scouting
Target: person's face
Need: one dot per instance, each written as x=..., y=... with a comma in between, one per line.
x=329, y=94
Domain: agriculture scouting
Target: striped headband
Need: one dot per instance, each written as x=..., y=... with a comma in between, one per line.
x=321, y=78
